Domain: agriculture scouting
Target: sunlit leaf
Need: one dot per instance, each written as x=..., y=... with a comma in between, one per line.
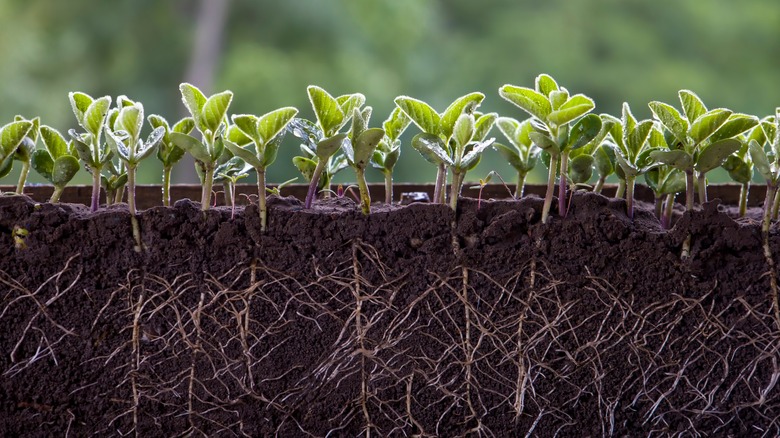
x=214, y=110
x=530, y=101
x=708, y=123
x=692, y=105
x=576, y=106
x=462, y=105
x=713, y=155
x=425, y=117
x=328, y=111
x=671, y=119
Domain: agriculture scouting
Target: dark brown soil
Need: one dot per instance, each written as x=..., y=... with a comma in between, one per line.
x=410, y=321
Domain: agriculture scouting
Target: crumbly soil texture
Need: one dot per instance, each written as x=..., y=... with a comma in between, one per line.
x=413, y=321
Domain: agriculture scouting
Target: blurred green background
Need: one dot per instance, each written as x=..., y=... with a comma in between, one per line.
x=267, y=52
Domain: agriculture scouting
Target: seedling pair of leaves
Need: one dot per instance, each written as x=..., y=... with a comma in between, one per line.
x=359, y=147
x=767, y=163
x=388, y=152
x=703, y=139
x=13, y=137
x=523, y=154
x=454, y=139
x=167, y=152
x=209, y=116
x=561, y=124
x=57, y=162
x=91, y=116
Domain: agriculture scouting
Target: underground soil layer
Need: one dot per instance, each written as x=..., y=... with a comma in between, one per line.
x=412, y=321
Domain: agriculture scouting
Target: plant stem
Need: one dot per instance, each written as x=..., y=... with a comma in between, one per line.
x=659, y=206
x=208, y=182
x=621, y=190
x=666, y=219
x=771, y=191
x=95, y=189
x=743, y=195
x=599, y=184
x=520, y=188
x=689, y=190
x=131, y=207
x=438, y=185
x=562, y=184
x=261, y=198
x=118, y=193
x=55, y=197
x=166, y=188
x=110, y=195
x=365, y=196
x=702, y=185
x=315, y=177
x=226, y=188
x=23, y=177
x=630, y=196
x=457, y=180
x=443, y=191
x=776, y=206
x=550, y=187
x=388, y=187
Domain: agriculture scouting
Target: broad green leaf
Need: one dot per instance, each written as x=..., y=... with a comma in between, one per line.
x=359, y=124
x=269, y=152
x=365, y=145
x=248, y=156
x=757, y=134
x=671, y=119
x=707, y=124
x=604, y=157
x=54, y=142
x=271, y=124
x=462, y=105
x=6, y=164
x=349, y=102
x=530, y=101
x=656, y=139
x=584, y=131
x=629, y=123
x=431, y=147
x=329, y=146
x=425, y=117
x=247, y=124
x=306, y=166
x=577, y=105
x=760, y=161
x=11, y=135
x=511, y=130
x=483, y=125
x=79, y=103
x=95, y=115
x=392, y=158
x=396, y=124
x=184, y=126
x=191, y=145
x=328, y=111
x=714, y=154
x=214, y=110
x=678, y=159
x=218, y=149
x=116, y=141
x=151, y=144
x=42, y=163
x=558, y=98
x=470, y=159
x=82, y=149
x=638, y=137
x=463, y=130
x=628, y=168
x=581, y=168
x=770, y=130
x=194, y=100
x=544, y=142
x=131, y=118
x=692, y=106
x=157, y=121
x=615, y=130
x=738, y=169
x=510, y=154
x=673, y=183
x=64, y=169
x=545, y=84
x=735, y=125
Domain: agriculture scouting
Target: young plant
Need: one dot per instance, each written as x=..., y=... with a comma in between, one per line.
x=25, y=151
x=91, y=116
x=435, y=143
x=560, y=126
x=230, y=172
x=167, y=152
x=467, y=148
x=11, y=136
x=583, y=160
x=125, y=141
x=265, y=133
x=277, y=191
x=485, y=181
x=322, y=139
x=739, y=165
x=389, y=150
x=359, y=147
x=57, y=162
x=523, y=154
x=113, y=181
x=209, y=117
x=703, y=139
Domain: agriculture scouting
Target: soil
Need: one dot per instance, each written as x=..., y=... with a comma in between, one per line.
x=412, y=321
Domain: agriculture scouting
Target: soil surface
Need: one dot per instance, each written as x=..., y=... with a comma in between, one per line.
x=412, y=321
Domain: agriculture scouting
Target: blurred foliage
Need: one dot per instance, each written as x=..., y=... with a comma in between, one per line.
x=611, y=50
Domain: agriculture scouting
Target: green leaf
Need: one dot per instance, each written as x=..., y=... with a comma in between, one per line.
x=713, y=155
x=6, y=164
x=629, y=123
x=671, y=119
x=11, y=135
x=462, y=105
x=463, y=130
x=159, y=121
x=431, y=147
x=511, y=155
x=184, y=126
x=628, y=168
x=116, y=141
x=359, y=124
x=707, y=124
x=79, y=103
x=396, y=124
x=64, y=169
x=306, y=166
x=194, y=100
x=329, y=146
x=530, y=101
x=191, y=145
x=544, y=142
x=425, y=117
x=483, y=125
x=391, y=158
x=735, y=125
x=581, y=168
x=760, y=161
x=470, y=159
x=151, y=144
x=273, y=123
x=218, y=150
x=95, y=115
x=214, y=110
x=247, y=124
x=82, y=149
x=328, y=111
x=131, y=118
x=678, y=159
x=42, y=163
x=248, y=156
x=739, y=170
x=692, y=106
x=576, y=106
x=584, y=131
x=511, y=130
x=349, y=102
x=545, y=84
x=673, y=183
x=604, y=157
x=365, y=145
x=638, y=137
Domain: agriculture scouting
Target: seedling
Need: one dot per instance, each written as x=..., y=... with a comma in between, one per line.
x=57, y=162
x=265, y=133
x=664, y=180
x=740, y=165
x=703, y=139
x=485, y=181
x=167, y=152
x=358, y=148
x=604, y=161
x=25, y=151
x=231, y=171
x=560, y=125
x=125, y=141
x=323, y=139
x=523, y=153
x=435, y=143
x=20, y=235
x=389, y=150
x=209, y=117
x=277, y=191
x=114, y=180
x=11, y=136
x=91, y=116
x=583, y=160
x=307, y=162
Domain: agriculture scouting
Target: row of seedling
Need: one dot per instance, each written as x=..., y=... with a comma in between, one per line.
x=673, y=152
